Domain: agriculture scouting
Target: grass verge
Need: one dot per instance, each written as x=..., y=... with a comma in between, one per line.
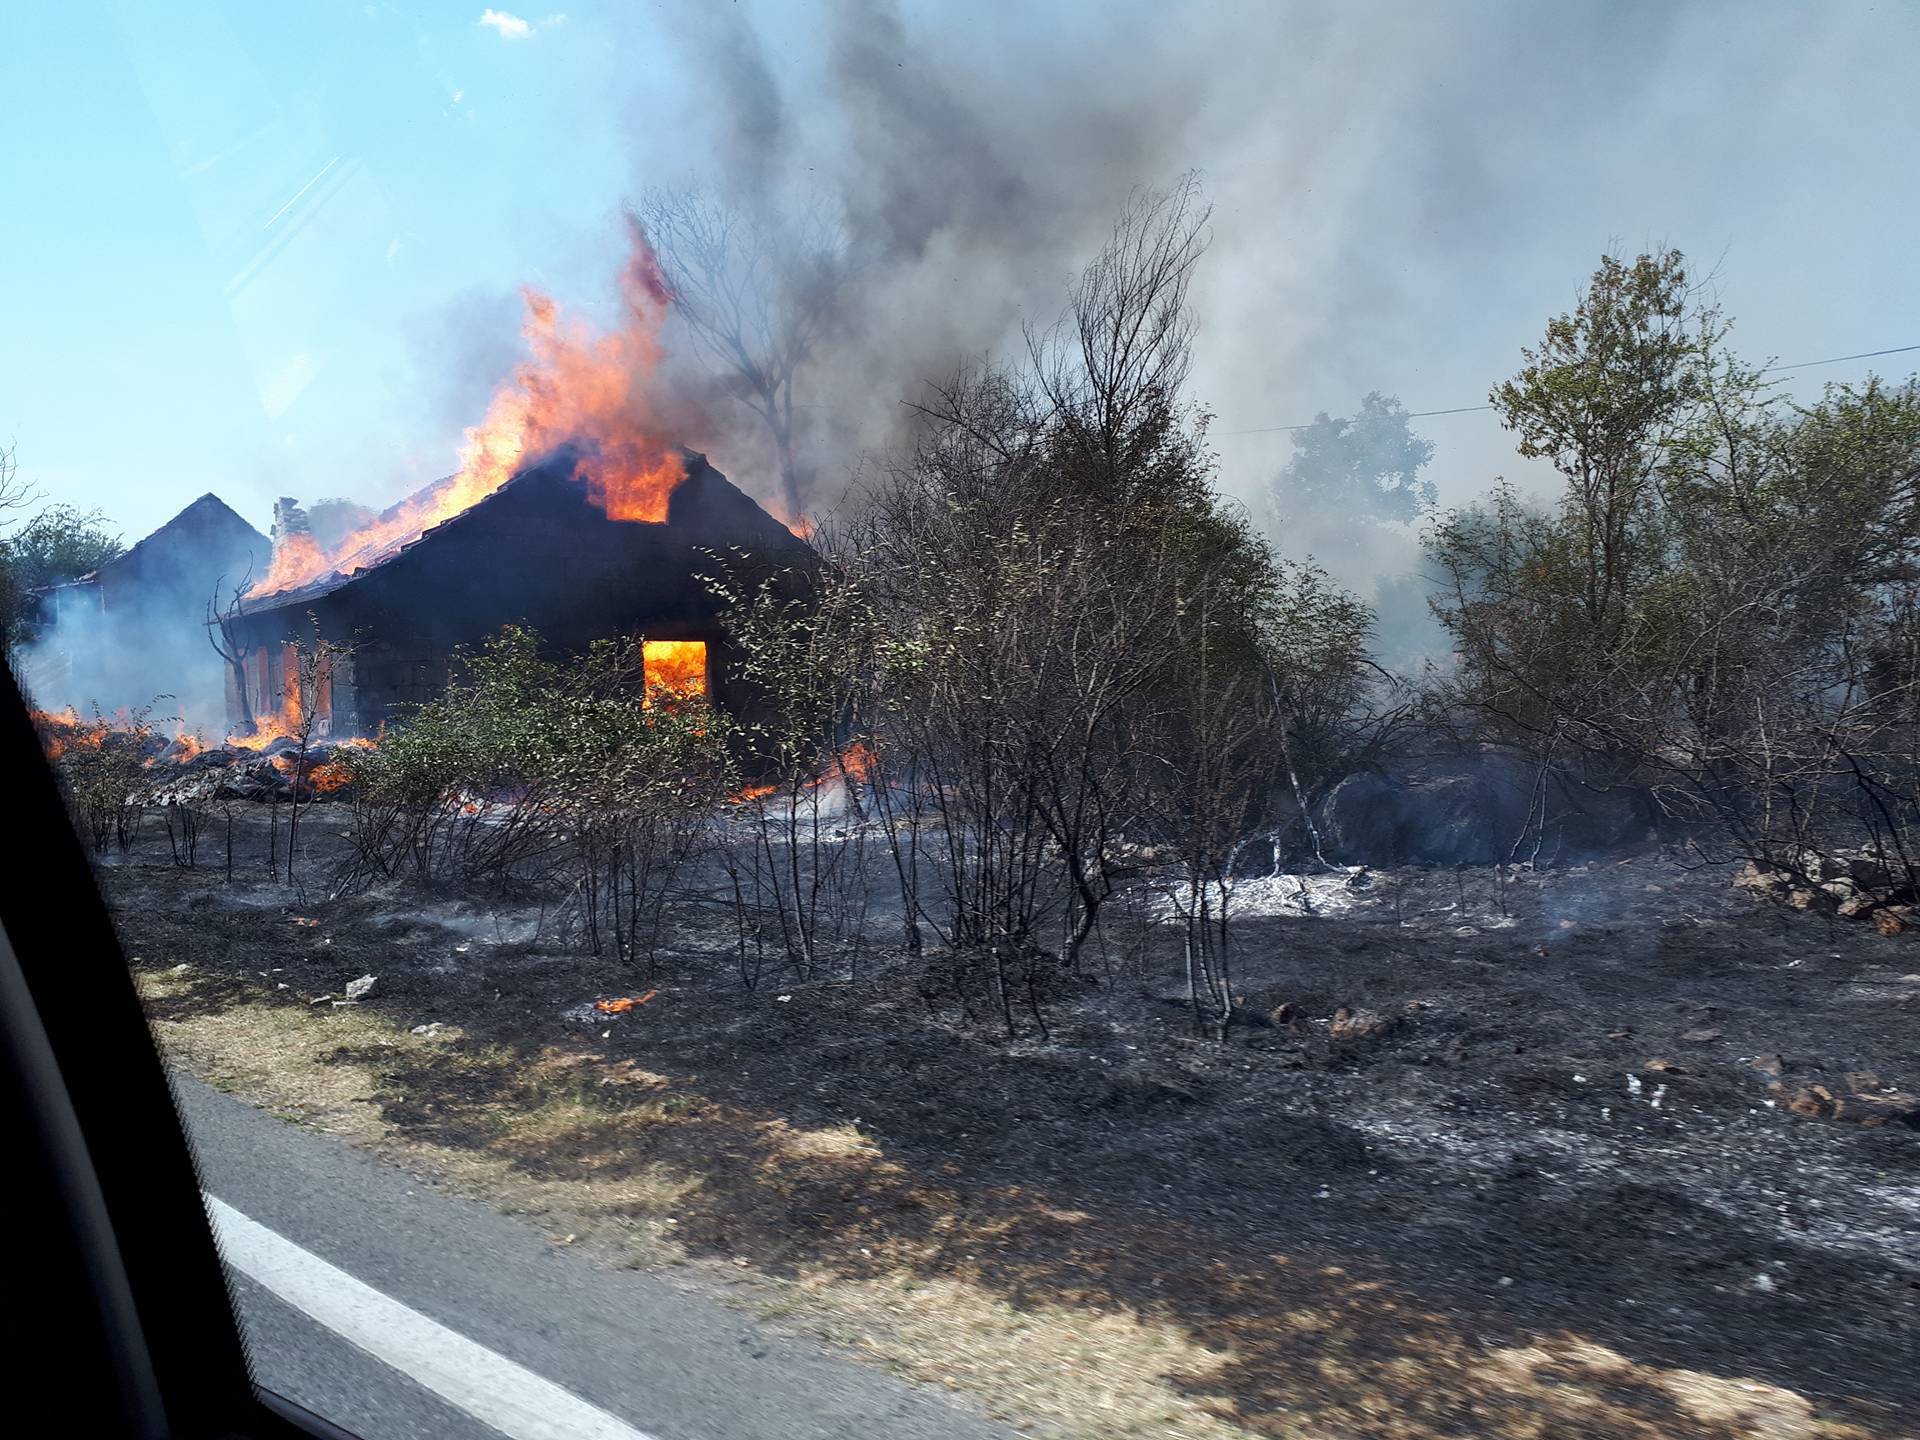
x=985, y=1300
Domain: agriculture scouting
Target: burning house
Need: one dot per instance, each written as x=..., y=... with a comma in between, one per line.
x=544, y=550
x=134, y=630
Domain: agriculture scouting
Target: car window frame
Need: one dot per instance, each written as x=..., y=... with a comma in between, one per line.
x=109, y=1163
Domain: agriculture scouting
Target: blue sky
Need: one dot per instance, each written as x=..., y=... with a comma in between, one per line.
x=273, y=249
x=233, y=230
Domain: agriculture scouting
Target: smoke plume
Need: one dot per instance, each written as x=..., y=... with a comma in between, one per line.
x=1403, y=192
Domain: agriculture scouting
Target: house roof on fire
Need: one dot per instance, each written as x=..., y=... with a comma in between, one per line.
x=548, y=505
x=207, y=530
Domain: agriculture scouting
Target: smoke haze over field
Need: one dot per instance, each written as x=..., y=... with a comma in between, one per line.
x=344, y=206
x=1403, y=193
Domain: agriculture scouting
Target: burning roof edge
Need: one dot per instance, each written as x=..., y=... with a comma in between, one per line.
x=693, y=461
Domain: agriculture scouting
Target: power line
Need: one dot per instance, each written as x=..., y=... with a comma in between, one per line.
x=1863, y=355
x=1468, y=409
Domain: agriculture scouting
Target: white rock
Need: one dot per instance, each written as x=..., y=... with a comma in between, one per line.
x=361, y=988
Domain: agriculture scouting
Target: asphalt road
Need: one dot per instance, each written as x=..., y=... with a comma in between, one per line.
x=399, y=1311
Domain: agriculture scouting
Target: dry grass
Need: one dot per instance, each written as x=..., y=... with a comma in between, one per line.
x=1070, y=1372
x=1067, y=1365
x=275, y=1056
x=291, y=1062
x=1574, y=1377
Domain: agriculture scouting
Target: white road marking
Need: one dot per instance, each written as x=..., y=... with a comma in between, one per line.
x=482, y=1382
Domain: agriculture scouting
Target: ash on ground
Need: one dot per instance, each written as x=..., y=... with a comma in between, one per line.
x=1626, y=1101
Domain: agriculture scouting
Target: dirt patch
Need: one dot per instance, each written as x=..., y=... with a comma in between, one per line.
x=1485, y=1216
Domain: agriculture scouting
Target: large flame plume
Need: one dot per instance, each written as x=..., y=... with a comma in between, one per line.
x=577, y=386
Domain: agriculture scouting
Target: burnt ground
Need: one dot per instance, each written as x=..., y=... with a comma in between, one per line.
x=1559, y=1153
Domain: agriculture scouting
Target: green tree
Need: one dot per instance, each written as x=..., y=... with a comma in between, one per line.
x=1075, y=646
x=1364, y=468
x=1722, y=606
x=1540, y=601
x=1349, y=497
x=1602, y=398
x=57, y=544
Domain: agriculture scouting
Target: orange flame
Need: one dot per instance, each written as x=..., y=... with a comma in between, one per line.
x=854, y=762
x=330, y=776
x=298, y=560
x=61, y=730
x=850, y=767
x=185, y=747
x=801, y=526
x=578, y=386
x=282, y=724
x=673, y=670
x=624, y=1003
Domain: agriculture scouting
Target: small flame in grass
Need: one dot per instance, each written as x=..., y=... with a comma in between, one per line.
x=625, y=1003
x=576, y=387
x=63, y=731
x=854, y=763
x=850, y=767
x=330, y=776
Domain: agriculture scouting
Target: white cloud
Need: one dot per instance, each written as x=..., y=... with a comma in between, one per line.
x=512, y=27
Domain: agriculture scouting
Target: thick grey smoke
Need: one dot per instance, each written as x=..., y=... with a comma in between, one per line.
x=965, y=193
x=1403, y=192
